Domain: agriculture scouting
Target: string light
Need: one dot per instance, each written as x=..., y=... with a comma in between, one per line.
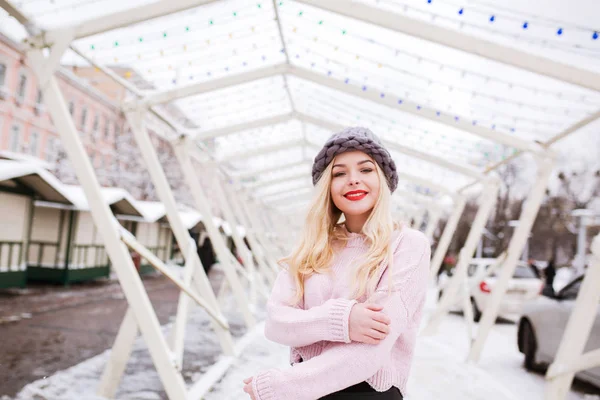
x=568, y=96
x=450, y=88
x=509, y=116
x=574, y=49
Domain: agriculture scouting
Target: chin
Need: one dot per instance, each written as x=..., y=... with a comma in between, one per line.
x=357, y=211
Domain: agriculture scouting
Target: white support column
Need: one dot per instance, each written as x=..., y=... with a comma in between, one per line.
x=419, y=216
x=515, y=249
x=165, y=194
x=119, y=355
x=432, y=222
x=257, y=249
x=182, y=149
x=569, y=357
x=240, y=245
x=108, y=228
x=488, y=199
x=446, y=238
x=251, y=210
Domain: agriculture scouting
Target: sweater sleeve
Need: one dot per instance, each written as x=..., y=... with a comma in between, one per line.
x=342, y=365
x=296, y=327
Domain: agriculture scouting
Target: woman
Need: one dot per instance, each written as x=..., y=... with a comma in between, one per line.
x=349, y=299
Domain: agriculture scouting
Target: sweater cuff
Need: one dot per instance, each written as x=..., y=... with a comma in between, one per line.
x=339, y=315
x=261, y=386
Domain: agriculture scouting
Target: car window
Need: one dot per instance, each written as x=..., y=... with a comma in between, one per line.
x=523, y=272
x=570, y=292
x=472, y=269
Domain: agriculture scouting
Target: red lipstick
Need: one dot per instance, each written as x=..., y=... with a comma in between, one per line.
x=356, y=195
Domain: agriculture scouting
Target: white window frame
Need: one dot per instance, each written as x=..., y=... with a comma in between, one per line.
x=20, y=97
x=3, y=74
x=83, y=118
x=34, y=146
x=16, y=148
x=106, y=127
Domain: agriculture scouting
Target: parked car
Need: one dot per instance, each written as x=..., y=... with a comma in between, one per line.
x=522, y=287
x=542, y=326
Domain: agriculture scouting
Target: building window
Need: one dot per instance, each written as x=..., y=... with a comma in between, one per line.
x=2, y=74
x=34, y=139
x=15, y=139
x=83, y=118
x=40, y=97
x=106, y=127
x=116, y=130
x=22, y=88
x=52, y=149
x=96, y=123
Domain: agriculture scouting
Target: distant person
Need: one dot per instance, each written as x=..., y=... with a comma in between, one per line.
x=549, y=275
x=534, y=268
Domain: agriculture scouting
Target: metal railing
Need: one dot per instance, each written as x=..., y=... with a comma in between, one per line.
x=10, y=253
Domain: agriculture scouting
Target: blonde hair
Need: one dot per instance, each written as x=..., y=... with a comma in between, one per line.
x=314, y=252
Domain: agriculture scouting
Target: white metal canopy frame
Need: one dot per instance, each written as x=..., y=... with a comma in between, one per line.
x=310, y=84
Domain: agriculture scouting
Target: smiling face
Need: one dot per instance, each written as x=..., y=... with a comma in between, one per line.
x=354, y=185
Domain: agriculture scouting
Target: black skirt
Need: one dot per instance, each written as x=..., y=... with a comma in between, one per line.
x=364, y=391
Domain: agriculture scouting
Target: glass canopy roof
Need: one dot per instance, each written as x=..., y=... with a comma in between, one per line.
x=343, y=72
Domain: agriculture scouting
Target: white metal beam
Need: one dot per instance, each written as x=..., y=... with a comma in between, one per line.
x=270, y=182
x=244, y=126
x=134, y=16
x=289, y=196
x=251, y=173
x=421, y=111
x=465, y=170
x=426, y=183
x=460, y=41
x=19, y=16
x=166, y=96
x=275, y=195
x=262, y=150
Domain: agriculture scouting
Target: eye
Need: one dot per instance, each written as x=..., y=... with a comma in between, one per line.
x=366, y=170
x=338, y=174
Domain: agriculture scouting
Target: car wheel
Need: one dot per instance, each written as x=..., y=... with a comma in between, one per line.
x=529, y=345
x=476, y=311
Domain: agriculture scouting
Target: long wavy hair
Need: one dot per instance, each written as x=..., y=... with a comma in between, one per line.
x=314, y=252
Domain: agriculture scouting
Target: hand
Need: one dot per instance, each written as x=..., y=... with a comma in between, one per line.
x=248, y=387
x=367, y=324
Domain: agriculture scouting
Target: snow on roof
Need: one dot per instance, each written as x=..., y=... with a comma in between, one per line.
x=227, y=229
x=9, y=155
x=36, y=178
x=118, y=198
x=190, y=217
x=151, y=210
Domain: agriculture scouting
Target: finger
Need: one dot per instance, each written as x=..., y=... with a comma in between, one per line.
x=381, y=317
x=369, y=340
x=376, y=334
x=383, y=328
x=248, y=380
x=374, y=307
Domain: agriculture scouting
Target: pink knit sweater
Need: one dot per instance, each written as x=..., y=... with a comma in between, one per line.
x=318, y=332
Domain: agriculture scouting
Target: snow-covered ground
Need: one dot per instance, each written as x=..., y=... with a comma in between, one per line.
x=438, y=371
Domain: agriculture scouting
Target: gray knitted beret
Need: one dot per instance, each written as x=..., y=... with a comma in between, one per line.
x=356, y=138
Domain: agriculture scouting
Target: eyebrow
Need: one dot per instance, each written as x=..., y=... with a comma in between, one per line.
x=359, y=163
